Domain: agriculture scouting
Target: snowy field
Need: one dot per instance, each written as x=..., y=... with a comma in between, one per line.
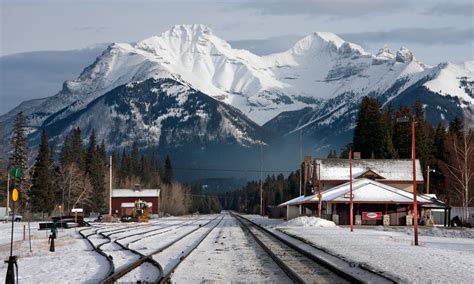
x=444, y=255
x=229, y=254
x=218, y=258
x=73, y=261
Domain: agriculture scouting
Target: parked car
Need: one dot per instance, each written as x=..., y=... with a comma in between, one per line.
x=17, y=217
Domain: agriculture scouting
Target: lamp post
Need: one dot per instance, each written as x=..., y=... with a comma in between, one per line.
x=413, y=157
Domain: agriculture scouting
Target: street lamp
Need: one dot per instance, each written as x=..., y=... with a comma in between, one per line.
x=413, y=157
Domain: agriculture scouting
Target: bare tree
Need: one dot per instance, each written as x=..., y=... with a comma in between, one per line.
x=75, y=186
x=174, y=197
x=459, y=168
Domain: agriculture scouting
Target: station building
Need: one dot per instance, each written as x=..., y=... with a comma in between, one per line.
x=382, y=192
x=123, y=200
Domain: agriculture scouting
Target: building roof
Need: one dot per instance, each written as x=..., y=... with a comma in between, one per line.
x=363, y=191
x=399, y=170
x=125, y=192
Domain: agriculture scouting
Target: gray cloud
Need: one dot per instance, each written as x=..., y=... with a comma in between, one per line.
x=453, y=9
x=442, y=36
x=89, y=28
x=346, y=8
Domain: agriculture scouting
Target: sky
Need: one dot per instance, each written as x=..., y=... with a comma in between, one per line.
x=435, y=31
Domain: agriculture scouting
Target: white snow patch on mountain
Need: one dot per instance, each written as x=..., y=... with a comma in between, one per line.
x=448, y=81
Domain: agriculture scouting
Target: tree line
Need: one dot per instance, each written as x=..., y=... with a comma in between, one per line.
x=78, y=175
x=276, y=190
x=448, y=151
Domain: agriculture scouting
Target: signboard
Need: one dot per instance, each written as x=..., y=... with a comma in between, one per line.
x=367, y=216
x=77, y=210
x=16, y=172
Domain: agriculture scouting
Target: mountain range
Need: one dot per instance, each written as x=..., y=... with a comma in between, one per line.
x=210, y=105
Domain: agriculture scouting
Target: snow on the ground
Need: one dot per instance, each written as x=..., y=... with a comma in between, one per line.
x=228, y=255
x=306, y=221
x=153, y=243
x=145, y=272
x=72, y=262
x=438, y=259
x=434, y=231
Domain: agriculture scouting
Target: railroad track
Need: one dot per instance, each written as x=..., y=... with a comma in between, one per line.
x=300, y=265
x=148, y=259
x=96, y=236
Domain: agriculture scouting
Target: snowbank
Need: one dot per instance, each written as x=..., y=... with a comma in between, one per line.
x=305, y=221
x=434, y=231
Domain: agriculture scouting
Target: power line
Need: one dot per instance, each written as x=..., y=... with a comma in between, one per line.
x=231, y=170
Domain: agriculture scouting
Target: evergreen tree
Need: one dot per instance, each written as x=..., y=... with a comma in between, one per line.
x=77, y=149
x=332, y=154
x=19, y=157
x=65, y=156
x=345, y=152
x=388, y=151
x=124, y=168
x=402, y=133
x=155, y=166
x=135, y=160
x=423, y=142
x=168, y=177
x=91, y=152
x=368, y=136
x=439, y=147
x=96, y=171
x=42, y=191
x=456, y=127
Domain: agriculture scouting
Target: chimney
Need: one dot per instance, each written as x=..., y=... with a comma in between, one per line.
x=137, y=187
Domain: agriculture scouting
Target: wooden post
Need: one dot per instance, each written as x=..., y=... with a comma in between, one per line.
x=319, y=190
x=110, y=186
x=351, y=215
x=415, y=204
x=8, y=195
x=428, y=180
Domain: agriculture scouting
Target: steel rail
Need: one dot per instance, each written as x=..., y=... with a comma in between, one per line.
x=166, y=278
x=111, y=278
x=353, y=272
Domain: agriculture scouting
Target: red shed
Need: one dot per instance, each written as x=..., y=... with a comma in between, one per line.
x=123, y=200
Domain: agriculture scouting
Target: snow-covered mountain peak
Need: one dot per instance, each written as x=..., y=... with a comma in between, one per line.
x=385, y=53
x=321, y=66
x=404, y=55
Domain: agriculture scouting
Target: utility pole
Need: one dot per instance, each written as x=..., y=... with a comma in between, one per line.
x=350, y=193
x=110, y=186
x=319, y=189
x=261, y=180
x=413, y=157
x=301, y=172
x=8, y=194
x=415, y=203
